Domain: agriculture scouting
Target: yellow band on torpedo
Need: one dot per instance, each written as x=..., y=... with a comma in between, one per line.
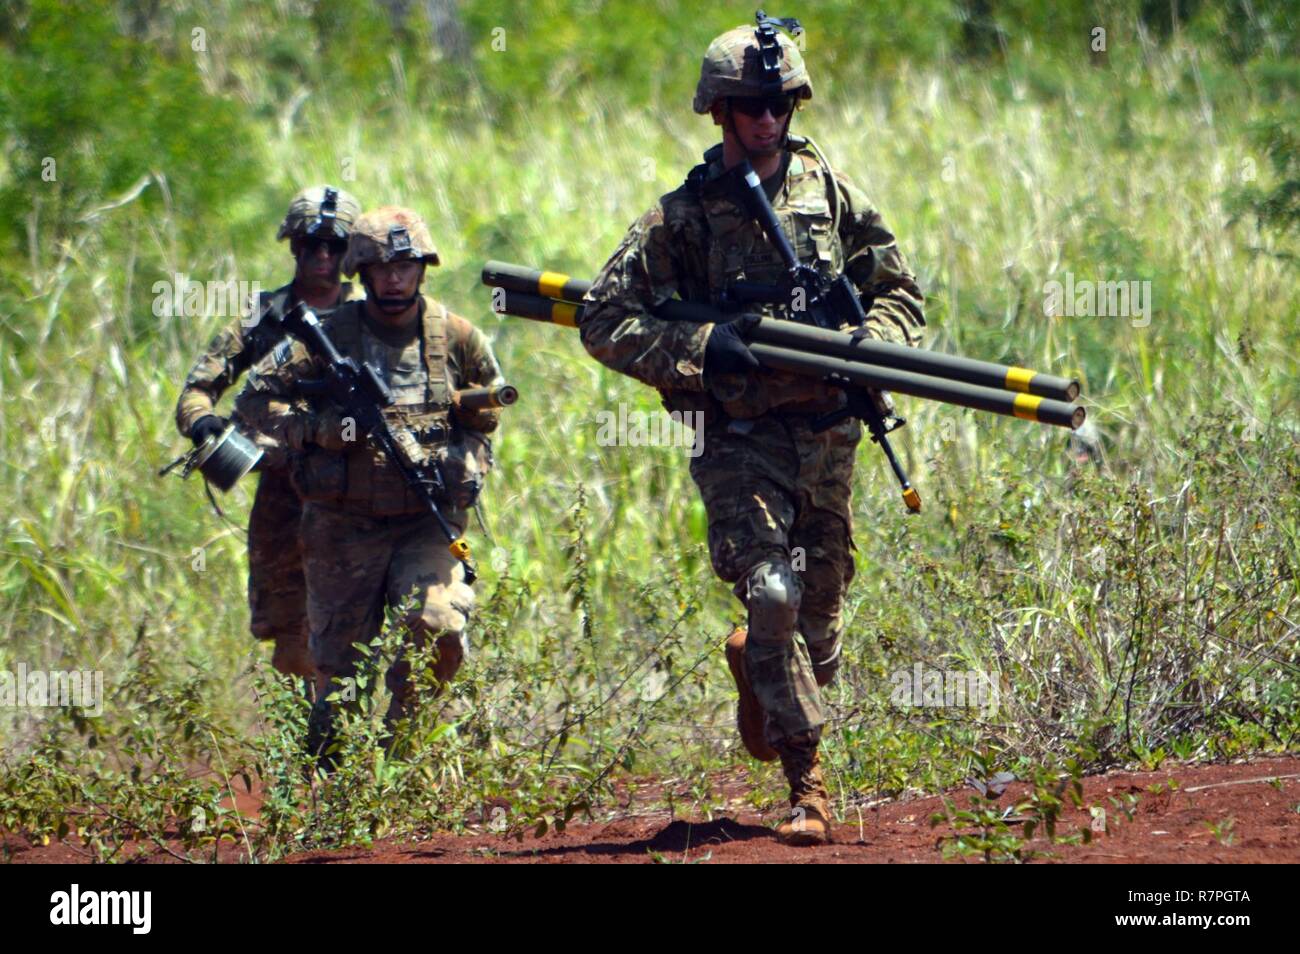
x=1018, y=379
x=551, y=284
x=563, y=313
x=1026, y=406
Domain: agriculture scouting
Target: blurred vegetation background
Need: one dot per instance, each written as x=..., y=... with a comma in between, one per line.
x=1136, y=606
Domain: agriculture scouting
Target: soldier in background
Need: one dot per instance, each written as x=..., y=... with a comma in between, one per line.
x=369, y=540
x=317, y=226
x=771, y=485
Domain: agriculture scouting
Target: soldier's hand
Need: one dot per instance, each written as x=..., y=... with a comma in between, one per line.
x=333, y=431
x=726, y=352
x=206, y=427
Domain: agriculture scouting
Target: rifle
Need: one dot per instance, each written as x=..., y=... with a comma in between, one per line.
x=831, y=304
x=362, y=395
x=265, y=335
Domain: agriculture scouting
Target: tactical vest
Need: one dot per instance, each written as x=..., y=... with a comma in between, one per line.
x=808, y=208
x=738, y=250
x=363, y=479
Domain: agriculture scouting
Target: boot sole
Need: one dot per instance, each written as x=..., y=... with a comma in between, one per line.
x=805, y=839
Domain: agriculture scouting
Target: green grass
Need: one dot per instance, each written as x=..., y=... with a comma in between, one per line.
x=1143, y=606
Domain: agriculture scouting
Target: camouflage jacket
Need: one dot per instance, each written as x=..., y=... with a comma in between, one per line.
x=235, y=349
x=446, y=355
x=698, y=239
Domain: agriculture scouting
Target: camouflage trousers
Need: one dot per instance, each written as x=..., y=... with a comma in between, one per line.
x=357, y=565
x=780, y=529
x=277, y=589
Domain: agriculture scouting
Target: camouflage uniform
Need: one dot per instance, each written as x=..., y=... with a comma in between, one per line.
x=236, y=348
x=277, y=592
x=769, y=484
x=369, y=541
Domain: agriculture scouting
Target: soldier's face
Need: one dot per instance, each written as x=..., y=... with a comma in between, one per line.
x=395, y=280
x=760, y=134
x=318, y=261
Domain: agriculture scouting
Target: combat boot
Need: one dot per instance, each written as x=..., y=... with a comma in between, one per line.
x=749, y=714
x=810, y=811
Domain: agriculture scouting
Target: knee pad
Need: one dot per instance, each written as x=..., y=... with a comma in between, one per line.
x=772, y=598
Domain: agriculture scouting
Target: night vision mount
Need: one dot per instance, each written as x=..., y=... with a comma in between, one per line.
x=769, y=47
x=326, y=221
x=399, y=240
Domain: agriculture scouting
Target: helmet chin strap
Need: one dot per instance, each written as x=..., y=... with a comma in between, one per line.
x=392, y=306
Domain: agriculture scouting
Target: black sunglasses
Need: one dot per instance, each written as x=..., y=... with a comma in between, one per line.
x=755, y=106
x=336, y=246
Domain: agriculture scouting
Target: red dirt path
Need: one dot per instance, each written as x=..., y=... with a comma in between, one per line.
x=1217, y=813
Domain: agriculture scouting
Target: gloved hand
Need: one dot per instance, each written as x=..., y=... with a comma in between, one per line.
x=726, y=352
x=205, y=427
x=331, y=430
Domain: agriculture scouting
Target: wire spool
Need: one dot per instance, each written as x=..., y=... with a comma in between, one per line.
x=226, y=457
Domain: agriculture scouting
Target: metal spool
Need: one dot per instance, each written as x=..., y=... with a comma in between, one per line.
x=225, y=458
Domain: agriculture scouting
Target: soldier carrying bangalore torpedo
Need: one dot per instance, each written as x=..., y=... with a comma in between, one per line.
x=771, y=482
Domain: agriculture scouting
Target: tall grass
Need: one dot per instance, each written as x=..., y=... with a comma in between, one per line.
x=1135, y=607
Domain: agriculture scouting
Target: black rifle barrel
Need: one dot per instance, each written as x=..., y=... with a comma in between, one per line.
x=761, y=209
x=1030, y=407
x=788, y=334
x=478, y=399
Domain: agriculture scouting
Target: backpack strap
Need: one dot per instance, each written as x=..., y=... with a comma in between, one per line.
x=434, y=329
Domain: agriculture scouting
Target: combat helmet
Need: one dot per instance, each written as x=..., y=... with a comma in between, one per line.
x=753, y=62
x=388, y=234
x=320, y=212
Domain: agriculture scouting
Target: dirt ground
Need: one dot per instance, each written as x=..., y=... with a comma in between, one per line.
x=1214, y=813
